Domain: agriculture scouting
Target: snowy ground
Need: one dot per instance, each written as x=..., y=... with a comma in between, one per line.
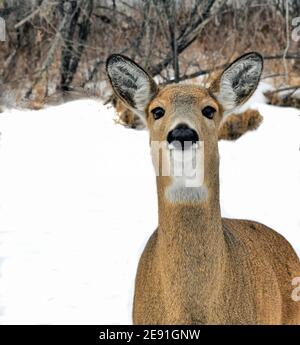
x=78, y=202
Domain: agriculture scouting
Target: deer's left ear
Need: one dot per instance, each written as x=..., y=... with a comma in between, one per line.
x=131, y=83
x=238, y=81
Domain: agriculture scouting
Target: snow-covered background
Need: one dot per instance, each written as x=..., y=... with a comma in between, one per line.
x=78, y=203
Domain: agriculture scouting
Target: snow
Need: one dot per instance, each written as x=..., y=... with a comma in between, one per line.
x=78, y=203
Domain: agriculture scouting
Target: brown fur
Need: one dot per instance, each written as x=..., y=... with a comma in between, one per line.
x=251, y=282
x=199, y=268
x=284, y=101
x=235, y=125
x=126, y=117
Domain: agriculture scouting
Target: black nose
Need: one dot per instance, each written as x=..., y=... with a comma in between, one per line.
x=182, y=135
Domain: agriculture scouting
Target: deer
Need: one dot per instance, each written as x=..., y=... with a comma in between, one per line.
x=199, y=268
x=235, y=126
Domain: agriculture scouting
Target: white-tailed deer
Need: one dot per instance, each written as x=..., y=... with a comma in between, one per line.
x=199, y=268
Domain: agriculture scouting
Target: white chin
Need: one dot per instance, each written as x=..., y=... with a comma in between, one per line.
x=174, y=147
x=183, y=162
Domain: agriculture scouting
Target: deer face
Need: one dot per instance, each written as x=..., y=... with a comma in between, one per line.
x=183, y=115
x=184, y=120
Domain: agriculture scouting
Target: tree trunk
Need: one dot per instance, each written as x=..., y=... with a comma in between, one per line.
x=74, y=35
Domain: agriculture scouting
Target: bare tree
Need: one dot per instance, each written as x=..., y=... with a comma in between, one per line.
x=58, y=46
x=74, y=33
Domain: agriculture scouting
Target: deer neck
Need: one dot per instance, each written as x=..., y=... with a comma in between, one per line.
x=194, y=227
x=191, y=244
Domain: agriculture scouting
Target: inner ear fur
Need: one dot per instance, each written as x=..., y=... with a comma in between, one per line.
x=131, y=83
x=236, y=84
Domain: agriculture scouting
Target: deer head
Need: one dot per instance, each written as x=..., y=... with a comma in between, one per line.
x=184, y=119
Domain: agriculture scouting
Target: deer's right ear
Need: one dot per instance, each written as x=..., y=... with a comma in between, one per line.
x=238, y=81
x=131, y=83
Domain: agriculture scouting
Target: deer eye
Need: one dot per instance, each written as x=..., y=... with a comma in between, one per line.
x=158, y=113
x=208, y=112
